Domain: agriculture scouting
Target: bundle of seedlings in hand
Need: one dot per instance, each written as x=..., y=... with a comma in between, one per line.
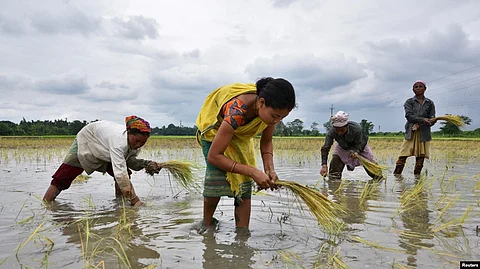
x=374, y=168
x=453, y=119
x=325, y=210
x=182, y=172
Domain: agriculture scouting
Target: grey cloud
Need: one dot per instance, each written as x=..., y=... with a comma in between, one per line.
x=191, y=77
x=111, y=86
x=309, y=71
x=166, y=57
x=193, y=53
x=180, y=91
x=71, y=82
x=136, y=27
x=400, y=60
x=71, y=21
x=11, y=26
x=107, y=95
x=282, y=3
x=106, y=91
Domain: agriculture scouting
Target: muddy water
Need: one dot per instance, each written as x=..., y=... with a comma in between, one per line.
x=88, y=227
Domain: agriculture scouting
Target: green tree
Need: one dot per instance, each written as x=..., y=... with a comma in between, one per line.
x=296, y=126
x=451, y=129
x=327, y=125
x=367, y=126
x=314, y=128
x=281, y=129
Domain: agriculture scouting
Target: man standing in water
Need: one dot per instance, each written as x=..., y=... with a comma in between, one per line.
x=351, y=140
x=420, y=115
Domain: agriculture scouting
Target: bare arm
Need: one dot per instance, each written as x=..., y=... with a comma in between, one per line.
x=217, y=158
x=266, y=149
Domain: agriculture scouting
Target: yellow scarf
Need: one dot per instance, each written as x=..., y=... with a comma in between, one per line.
x=240, y=148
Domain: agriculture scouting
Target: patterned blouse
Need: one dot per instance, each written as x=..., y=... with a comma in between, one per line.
x=235, y=113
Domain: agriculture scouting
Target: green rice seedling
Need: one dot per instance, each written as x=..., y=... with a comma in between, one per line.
x=409, y=198
x=374, y=245
x=121, y=254
x=29, y=238
x=182, y=173
x=476, y=187
x=454, y=222
x=444, y=204
x=368, y=190
x=343, y=184
x=453, y=119
x=26, y=219
x=82, y=178
x=290, y=258
x=124, y=223
x=397, y=265
x=335, y=261
x=325, y=210
x=374, y=168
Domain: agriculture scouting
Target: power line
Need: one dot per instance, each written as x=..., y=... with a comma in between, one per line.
x=465, y=70
x=437, y=79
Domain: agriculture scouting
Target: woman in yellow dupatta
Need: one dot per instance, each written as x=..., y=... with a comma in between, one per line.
x=230, y=118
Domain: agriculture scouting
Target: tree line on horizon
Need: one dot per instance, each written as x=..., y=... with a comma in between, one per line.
x=293, y=128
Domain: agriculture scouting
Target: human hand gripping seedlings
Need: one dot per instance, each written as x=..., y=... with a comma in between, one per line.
x=153, y=167
x=262, y=180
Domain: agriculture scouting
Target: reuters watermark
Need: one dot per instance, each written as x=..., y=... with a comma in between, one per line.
x=469, y=264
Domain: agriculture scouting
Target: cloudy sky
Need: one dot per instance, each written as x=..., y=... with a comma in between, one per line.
x=105, y=59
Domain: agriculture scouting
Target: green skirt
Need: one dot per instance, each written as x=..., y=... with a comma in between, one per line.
x=216, y=184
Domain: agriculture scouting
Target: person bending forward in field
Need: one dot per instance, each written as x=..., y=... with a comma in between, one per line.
x=229, y=119
x=106, y=147
x=351, y=140
x=420, y=115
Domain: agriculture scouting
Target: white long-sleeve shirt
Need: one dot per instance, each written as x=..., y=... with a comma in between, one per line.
x=103, y=142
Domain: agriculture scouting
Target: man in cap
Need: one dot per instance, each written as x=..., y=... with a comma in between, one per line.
x=351, y=140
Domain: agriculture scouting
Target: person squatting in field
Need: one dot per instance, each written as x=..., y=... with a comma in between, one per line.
x=229, y=119
x=351, y=140
x=108, y=147
x=420, y=115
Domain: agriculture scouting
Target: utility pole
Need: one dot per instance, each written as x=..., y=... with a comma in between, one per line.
x=331, y=110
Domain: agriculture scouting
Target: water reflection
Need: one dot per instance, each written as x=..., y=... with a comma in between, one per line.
x=236, y=254
x=104, y=235
x=348, y=194
x=415, y=216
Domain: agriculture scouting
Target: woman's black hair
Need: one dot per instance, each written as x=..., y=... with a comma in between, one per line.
x=278, y=93
x=135, y=131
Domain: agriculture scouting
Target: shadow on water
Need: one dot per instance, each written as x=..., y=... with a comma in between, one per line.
x=236, y=254
x=346, y=193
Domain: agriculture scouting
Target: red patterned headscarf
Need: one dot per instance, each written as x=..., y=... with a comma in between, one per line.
x=134, y=122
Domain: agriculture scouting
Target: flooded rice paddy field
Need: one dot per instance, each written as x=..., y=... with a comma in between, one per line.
x=426, y=222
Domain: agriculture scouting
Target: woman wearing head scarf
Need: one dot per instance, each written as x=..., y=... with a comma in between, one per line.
x=230, y=118
x=351, y=140
x=420, y=114
x=108, y=147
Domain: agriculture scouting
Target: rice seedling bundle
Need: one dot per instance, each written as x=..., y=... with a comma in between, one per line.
x=453, y=119
x=182, y=172
x=371, y=166
x=325, y=210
